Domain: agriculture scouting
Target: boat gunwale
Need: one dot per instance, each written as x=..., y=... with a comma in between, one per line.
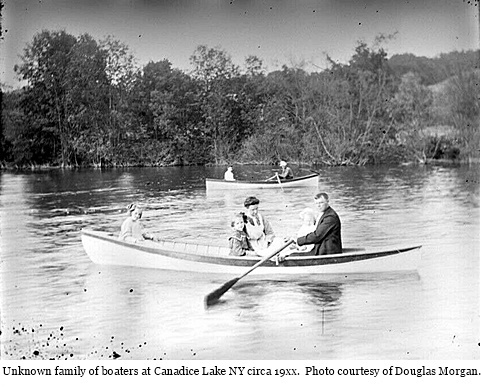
x=247, y=261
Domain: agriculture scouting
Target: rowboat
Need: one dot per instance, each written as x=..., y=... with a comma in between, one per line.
x=105, y=249
x=311, y=180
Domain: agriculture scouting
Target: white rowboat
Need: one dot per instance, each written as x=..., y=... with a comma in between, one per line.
x=105, y=249
x=311, y=180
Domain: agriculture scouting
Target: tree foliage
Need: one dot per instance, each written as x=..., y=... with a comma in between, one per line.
x=88, y=103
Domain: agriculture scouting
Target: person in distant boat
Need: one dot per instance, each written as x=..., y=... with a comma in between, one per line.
x=239, y=242
x=308, y=218
x=229, y=175
x=257, y=227
x=286, y=172
x=132, y=229
x=327, y=235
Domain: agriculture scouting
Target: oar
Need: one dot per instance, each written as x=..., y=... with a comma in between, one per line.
x=279, y=181
x=216, y=294
x=271, y=178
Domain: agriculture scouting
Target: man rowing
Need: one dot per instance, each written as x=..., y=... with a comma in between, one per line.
x=285, y=174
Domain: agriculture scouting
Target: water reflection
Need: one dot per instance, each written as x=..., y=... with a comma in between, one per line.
x=322, y=294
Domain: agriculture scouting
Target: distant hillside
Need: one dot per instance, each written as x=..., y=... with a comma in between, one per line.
x=435, y=70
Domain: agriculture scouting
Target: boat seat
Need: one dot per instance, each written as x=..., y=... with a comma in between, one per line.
x=198, y=249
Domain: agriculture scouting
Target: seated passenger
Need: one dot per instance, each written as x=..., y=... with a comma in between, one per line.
x=229, y=175
x=239, y=242
x=257, y=227
x=132, y=229
x=308, y=225
x=326, y=237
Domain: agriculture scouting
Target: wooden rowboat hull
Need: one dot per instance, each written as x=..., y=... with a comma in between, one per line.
x=221, y=184
x=105, y=249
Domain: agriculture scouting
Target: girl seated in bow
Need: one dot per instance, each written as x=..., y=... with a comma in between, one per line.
x=132, y=229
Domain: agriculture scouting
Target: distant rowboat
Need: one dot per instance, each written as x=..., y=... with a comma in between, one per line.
x=105, y=248
x=311, y=180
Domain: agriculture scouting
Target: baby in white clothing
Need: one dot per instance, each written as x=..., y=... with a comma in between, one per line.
x=308, y=218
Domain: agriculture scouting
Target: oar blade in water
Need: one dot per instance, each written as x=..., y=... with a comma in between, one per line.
x=214, y=296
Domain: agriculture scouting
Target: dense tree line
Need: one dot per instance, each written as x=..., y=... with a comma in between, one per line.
x=88, y=103
x=432, y=71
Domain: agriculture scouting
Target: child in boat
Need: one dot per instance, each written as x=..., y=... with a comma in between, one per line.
x=308, y=225
x=239, y=242
x=132, y=229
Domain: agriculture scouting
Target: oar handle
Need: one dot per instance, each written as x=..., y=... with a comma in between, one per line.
x=285, y=245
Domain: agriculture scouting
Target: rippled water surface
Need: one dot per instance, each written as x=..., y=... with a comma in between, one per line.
x=57, y=304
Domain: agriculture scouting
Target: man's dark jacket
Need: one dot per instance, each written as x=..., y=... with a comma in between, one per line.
x=326, y=237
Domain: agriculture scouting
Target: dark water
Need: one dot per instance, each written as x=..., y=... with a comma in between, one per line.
x=56, y=304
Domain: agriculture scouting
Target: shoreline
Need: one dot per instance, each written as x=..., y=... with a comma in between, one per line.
x=434, y=162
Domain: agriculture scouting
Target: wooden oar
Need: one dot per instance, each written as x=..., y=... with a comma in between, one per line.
x=279, y=181
x=216, y=294
x=271, y=178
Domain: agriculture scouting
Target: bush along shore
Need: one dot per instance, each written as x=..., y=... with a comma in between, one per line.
x=86, y=104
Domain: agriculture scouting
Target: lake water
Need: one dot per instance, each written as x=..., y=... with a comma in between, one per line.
x=57, y=304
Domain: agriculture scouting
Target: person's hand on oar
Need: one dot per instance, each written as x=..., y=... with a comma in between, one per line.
x=214, y=296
